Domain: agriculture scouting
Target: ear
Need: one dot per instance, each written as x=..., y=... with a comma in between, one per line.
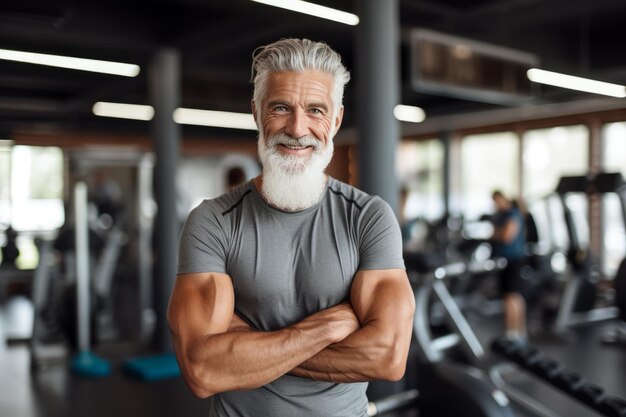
x=253, y=105
x=338, y=119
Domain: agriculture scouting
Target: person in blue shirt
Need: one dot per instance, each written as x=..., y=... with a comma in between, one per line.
x=508, y=241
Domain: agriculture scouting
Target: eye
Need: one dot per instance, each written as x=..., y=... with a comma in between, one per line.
x=280, y=108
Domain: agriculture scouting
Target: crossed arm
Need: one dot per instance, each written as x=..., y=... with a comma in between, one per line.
x=365, y=339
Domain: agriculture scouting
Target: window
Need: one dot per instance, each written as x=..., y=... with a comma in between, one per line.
x=36, y=188
x=31, y=195
x=488, y=162
x=549, y=154
x=420, y=167
x=5, y=184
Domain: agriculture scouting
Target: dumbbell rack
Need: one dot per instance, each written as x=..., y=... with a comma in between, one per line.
x=556, y=374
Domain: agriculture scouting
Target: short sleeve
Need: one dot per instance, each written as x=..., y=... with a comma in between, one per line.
x=380, y=237
x=203, y=244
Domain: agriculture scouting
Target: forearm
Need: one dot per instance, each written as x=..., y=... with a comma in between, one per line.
x=378, y=350
x=371, y=353
x=362, y=356
x=240, y=360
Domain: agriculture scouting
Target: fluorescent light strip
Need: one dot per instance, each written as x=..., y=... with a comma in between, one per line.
x=182, y=116
x=575, y=83
x=314, y=10
x=409, y=113
x=123, y=110
x=213, y=118
x=83, y=64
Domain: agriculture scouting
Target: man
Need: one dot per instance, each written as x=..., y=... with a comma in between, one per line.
x=291, y=291
x=508, y=242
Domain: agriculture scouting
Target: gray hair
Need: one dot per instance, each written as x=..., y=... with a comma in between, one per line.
x=297, y=55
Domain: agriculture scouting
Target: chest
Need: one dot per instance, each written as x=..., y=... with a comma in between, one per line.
x=286, y=269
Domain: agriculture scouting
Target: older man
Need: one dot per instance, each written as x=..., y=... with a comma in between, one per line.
x=291, y=291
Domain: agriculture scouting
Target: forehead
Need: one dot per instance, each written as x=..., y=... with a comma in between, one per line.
x=307, y=85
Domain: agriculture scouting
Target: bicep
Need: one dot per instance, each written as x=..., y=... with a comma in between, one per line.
x=201, y=304
x=203, y=243
x=382, y=296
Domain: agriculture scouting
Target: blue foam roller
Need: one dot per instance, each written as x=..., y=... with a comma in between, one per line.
x=154, y=367
x=88, y=365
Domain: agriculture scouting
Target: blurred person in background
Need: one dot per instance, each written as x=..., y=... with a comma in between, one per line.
x=508, y=242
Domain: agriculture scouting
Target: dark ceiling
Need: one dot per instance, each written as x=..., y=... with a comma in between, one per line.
x=216, y=40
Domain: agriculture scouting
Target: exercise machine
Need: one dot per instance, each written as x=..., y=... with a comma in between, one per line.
x=79, y=259
x=84, y=363
x=442, y=372
x=618, y=334
x=580, y=293
x=449, y=382
x=120, y=259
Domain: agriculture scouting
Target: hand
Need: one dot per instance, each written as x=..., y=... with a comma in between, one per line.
x=342, y=320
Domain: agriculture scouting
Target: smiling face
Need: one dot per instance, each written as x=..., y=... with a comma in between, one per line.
x=297, y=126
x=299, y=105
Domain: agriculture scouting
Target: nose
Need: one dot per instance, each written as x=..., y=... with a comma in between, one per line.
x=297, y=124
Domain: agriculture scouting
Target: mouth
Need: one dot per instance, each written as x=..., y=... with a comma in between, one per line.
x=289, y=146
x=295, y=147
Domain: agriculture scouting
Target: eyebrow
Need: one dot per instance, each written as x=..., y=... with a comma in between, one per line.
x=277, y=103
x=320, y=105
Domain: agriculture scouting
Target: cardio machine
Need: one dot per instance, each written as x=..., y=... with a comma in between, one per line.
x=580, y=293
x=450, y=378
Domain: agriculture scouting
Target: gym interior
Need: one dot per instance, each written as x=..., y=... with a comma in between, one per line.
x=102, y=159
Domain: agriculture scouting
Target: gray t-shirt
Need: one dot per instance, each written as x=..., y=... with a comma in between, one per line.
x=284, y=267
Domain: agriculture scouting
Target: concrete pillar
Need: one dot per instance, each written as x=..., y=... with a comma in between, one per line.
x=378, y=86
x=165, y=98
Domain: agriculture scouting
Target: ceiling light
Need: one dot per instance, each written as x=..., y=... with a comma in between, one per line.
x=83, y=64
x=181, y=116
x=409, y=113
x=314, y=10
x=576, y=83
x=215, y=119
x=123, y=110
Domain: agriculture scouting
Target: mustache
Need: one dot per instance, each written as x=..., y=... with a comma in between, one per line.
x=284, y=139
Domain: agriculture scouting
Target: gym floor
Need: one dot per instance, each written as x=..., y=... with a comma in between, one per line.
x=53, y=391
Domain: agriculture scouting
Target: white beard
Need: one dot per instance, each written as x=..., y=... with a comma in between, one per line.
x=291, y=182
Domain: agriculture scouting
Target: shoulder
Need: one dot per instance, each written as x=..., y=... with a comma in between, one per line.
x=215, y=209
x=224, y=203
x=370, y=208
x=353, y=195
